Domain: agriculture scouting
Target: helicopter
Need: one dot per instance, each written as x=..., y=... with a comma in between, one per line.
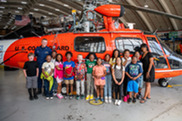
x=87, y=36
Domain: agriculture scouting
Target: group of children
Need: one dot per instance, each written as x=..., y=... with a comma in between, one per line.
x=123, y=76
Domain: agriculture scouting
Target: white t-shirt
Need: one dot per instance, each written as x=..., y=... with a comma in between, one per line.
x=128, y=61
x=47, y=66
x=118, y=67
x=53, y=60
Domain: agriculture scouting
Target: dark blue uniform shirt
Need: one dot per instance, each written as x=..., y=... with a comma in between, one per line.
x=41, y=54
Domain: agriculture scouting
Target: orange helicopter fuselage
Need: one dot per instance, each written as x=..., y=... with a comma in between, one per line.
x=19, y=49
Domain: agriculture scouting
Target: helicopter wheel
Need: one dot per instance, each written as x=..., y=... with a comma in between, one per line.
x=63, y=90
x=163, y=82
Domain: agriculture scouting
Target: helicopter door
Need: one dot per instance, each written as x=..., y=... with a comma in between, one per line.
x=160, y=59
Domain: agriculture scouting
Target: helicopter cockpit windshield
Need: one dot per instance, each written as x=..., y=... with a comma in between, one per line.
x=174, y=59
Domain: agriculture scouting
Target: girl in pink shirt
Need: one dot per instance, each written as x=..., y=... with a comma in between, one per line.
x=99, y=73
x=58, y=74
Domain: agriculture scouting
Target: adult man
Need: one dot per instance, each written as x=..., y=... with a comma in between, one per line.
x=41, y=52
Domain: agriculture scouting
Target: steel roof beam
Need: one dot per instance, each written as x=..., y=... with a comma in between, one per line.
x=142, y=16
x=166, y=8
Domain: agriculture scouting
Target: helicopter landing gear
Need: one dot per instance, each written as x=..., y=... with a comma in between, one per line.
x=163, y=82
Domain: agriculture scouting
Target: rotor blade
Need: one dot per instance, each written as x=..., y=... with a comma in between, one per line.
x=151, y=11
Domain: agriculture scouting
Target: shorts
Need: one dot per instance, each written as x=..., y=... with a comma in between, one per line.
x=69, y=81
x=140, y=82
x=99, y=82
x=59, y=80
x=31, y=82
x=132, y=86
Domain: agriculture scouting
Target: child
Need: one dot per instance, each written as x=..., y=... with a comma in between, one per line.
x=47, y=76
x=99, y=73
x=53, y=60
x=58, y=74
x=133, y=71
x=118, y=73
x=69, y=74
x=54, y=53
x=115, y=54
x=140, y=80
x=90, y=82
x=80, y=70
x=126, y=60
x=31, y=72
x=108, y=85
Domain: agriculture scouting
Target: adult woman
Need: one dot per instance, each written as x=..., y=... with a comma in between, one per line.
x=148, y=71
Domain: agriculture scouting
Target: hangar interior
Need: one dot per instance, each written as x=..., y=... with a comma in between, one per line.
x=35, y=18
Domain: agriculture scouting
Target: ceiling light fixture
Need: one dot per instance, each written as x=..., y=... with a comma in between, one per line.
x=65, y=5
x=57, y=9
x=146, y=6
x=50, y=13
x=20, y=8
x=17, y=11
x=31, y=13
x=36, y=9
x=23, y=2
x=41, y=5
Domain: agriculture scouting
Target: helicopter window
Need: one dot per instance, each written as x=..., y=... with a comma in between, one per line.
x=156, y=50
x=174, y=59
x=128, y=43
x=90, y=44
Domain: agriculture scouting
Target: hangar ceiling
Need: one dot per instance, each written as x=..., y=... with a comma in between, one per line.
x=53, y=8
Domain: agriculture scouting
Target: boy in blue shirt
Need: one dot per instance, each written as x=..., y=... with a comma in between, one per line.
x=69, y=74
x=133, y=71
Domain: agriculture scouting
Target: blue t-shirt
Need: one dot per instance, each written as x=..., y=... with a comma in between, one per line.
x=134, y=70
x=67, y=64
x=41, y=54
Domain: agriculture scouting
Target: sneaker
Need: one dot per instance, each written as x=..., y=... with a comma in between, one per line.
x=31, y=98
x=129, y=100
x=139, y=96
x=51, y=98
x=125, y=99
x=35, y=97
x=106, y=99
x=59, y=96
x=47, y=98
x=39, y=91
x=119, y=102
x=82, y=96
x=96, y=99
x=77, y=97
x=102, y=99
x=134, y=100
x=65, y=97
x=110, y=100
x=54, y=93
x=71, y=97
x=88, y=97
x=91, y=97
x=116, y=102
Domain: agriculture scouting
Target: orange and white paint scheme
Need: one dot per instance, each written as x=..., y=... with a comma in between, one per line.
x=167, y=64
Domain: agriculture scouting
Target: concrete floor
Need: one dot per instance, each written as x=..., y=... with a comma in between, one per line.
x=165, y=105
